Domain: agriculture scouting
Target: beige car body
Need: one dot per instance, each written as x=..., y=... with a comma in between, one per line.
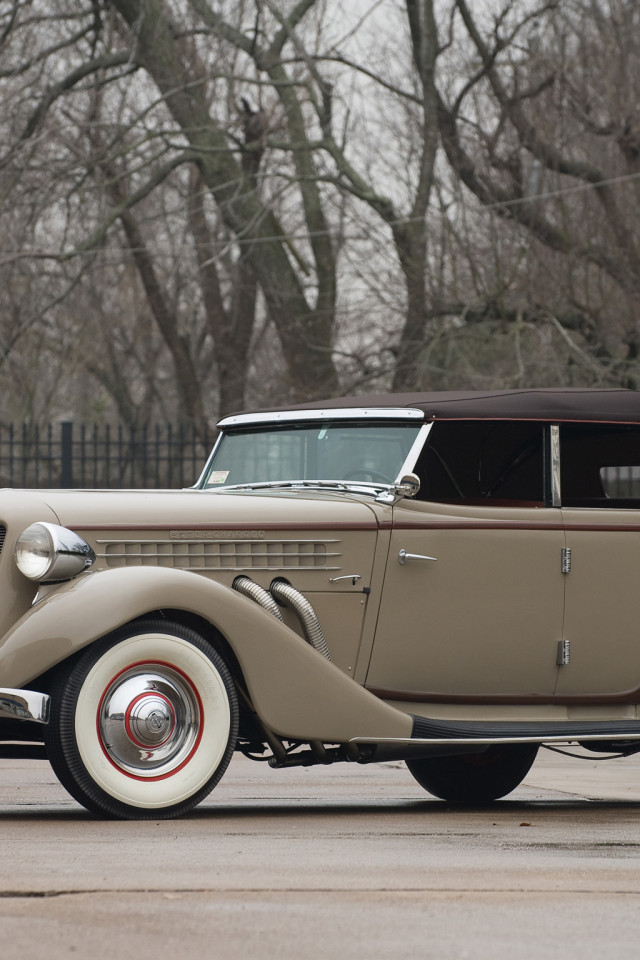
x=517, y=619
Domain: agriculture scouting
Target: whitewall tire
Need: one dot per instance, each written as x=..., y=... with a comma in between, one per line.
x=144, y=723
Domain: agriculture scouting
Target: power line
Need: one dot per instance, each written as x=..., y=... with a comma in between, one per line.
x=562, y=191
x=12, y=255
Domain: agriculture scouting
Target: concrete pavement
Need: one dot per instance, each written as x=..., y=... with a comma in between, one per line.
x=344, y=861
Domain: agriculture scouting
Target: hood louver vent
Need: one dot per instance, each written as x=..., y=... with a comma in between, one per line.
x=212, y=555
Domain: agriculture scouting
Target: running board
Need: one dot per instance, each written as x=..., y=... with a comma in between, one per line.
x=444, y=736
x=523, y=731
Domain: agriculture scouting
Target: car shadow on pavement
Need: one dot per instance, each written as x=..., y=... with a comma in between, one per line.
x=278, y=809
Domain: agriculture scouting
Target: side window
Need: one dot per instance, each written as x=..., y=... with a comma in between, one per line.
x=484, y=462
x=621, y=482
x=600, y=465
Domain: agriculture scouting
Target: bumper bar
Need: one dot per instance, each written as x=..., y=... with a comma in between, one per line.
x=24, y=705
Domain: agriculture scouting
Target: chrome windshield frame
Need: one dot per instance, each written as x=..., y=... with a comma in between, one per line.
x=340, y=413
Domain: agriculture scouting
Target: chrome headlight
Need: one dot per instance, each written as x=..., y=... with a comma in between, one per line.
x=49, y=553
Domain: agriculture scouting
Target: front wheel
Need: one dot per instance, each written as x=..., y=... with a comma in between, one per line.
x=144, y=723
x=475, y=777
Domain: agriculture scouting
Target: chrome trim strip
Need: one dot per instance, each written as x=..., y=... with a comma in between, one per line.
x=141, y=555
x=340, y=413
x=415, y=451
x=470, y=741
x=556, y=500
x=175, y=541
x=233, y=567
x=199, y=484
x=24, y=705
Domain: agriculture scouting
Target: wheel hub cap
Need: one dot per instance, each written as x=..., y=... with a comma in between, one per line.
x=149, y=720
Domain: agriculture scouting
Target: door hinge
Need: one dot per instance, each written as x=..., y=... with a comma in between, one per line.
x=566, y=559
x=564, y=653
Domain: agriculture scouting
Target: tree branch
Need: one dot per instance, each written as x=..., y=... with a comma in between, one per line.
x=70, y=81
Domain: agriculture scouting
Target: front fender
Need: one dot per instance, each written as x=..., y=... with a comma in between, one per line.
x=295, y=691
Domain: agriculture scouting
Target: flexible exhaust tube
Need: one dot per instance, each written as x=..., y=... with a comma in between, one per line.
x=288, y=596
x=249, y=588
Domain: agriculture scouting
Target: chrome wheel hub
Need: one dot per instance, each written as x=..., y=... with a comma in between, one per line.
x=149, y=720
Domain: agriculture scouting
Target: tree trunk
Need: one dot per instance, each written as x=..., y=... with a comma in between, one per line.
x=304, y=332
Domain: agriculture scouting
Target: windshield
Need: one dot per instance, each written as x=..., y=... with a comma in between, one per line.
x=329, y=451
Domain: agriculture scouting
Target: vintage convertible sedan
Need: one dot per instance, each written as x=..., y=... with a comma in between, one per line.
x=449, y=579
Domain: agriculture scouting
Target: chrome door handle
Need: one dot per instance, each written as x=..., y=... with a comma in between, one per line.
x=403, y=556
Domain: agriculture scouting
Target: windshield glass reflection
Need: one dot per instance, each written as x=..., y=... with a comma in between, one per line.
x=329, y=451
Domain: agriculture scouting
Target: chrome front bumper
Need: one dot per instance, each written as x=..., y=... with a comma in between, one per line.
x=24, y=705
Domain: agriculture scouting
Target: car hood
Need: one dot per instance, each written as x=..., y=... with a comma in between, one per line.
x=165, y=509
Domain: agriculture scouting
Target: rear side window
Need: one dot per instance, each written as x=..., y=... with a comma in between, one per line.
x=621, y=482
x=600, y=465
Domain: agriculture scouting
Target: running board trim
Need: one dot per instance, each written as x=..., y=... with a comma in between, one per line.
x=488, y=741
x=528, y=731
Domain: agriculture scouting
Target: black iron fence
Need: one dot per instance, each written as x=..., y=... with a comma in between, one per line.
x=79, y=455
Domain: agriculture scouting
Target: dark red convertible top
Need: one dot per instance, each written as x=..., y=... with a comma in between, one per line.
x=554, y=404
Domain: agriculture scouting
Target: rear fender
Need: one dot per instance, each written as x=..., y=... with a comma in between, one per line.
x=296, y=692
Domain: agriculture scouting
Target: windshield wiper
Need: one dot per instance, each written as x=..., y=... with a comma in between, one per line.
x=361, y=485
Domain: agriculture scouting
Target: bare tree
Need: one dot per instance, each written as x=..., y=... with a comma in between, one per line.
x=218, y=202
x=305, y=328
x=543, y=134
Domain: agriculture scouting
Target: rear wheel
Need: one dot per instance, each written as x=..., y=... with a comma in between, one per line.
x=144, y=724
x=475, y=777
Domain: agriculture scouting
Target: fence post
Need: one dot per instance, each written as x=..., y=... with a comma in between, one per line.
x=66, y=450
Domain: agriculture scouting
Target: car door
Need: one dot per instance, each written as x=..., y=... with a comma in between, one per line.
x=472, y=604
x=601, y=512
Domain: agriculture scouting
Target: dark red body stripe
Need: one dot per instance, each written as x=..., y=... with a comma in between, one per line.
x=384, y=525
